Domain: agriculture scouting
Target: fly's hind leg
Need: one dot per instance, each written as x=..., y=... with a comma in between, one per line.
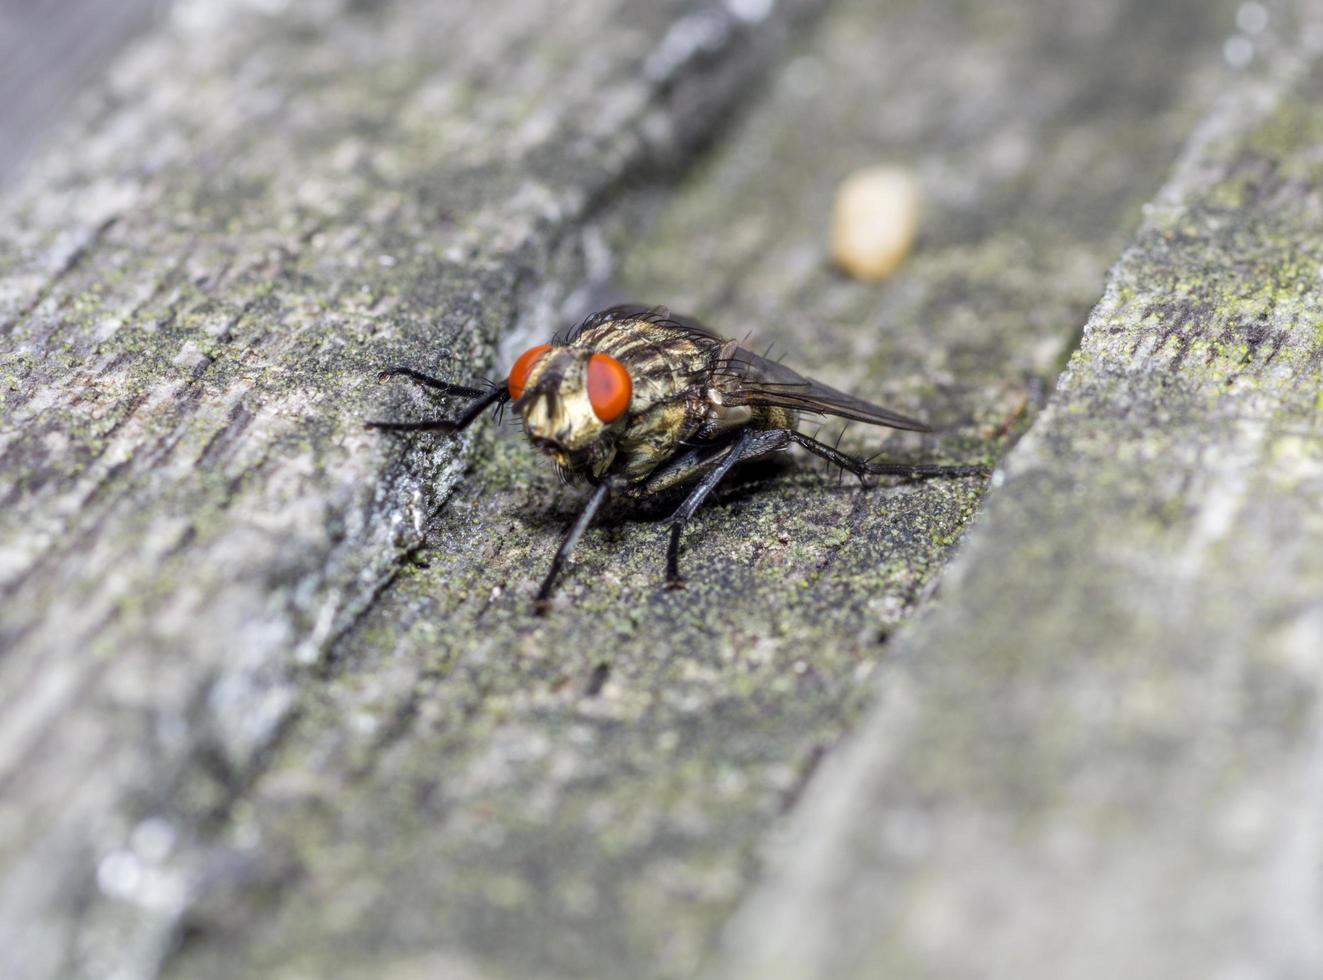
x=863, y=468
x=749, y=444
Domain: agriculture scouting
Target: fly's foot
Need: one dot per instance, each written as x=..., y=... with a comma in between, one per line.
x=675, y=583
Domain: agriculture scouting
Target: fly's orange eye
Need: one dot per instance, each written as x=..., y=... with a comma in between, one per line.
x=522, y=368
x=609, y=387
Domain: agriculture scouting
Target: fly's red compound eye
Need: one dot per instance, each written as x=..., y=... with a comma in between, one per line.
x=522, y=368
x=609, y=387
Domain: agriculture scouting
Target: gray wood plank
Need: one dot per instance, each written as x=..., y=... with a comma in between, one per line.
x=455, y=797
x=1101, y=756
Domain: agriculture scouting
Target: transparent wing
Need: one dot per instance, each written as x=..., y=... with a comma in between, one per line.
x=747, y=379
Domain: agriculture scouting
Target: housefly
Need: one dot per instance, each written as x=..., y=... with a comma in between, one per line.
x=636, y=401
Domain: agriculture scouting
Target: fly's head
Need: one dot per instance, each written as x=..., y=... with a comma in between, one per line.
x=573, y=403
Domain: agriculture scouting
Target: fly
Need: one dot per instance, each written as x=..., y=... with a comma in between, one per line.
x=637, y=401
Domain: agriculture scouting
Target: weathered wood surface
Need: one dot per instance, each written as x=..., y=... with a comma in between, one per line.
x=196, y=287
x=270, y=708
x=1103, y=755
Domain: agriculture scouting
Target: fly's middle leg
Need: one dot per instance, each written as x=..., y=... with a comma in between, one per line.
x=747, y=445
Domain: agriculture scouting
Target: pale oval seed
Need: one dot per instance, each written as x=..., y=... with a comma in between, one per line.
x=874, y=221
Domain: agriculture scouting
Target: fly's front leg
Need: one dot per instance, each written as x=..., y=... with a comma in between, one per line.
x=482, y=401
x=427, y=381
x=863, y=468
x=748, y=444
x=542, y=604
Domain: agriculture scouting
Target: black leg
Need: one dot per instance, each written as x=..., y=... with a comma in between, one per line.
x=674, y=580
x=748, y=444
x=427, y=381
x=427, y=425
x=922, y=471
x=863, y=468
x=542, y=604
x=471, y=411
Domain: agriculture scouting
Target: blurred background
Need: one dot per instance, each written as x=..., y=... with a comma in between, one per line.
x=49, y=50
